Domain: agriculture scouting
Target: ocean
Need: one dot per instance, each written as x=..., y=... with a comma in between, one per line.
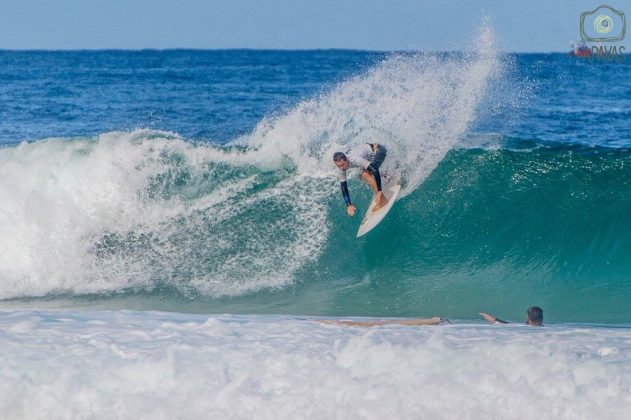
x=172, y=230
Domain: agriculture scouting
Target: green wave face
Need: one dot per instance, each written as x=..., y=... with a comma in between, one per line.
x=499, y=230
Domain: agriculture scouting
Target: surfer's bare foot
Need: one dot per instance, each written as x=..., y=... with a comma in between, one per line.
x=381, y=203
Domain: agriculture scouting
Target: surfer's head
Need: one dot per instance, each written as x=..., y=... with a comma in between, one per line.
x=535, y=316
x=340, y=160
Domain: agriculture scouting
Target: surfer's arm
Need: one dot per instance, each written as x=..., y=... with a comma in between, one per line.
x=350, y=208
x=345, y=194
x=375, y=174
x=492, y=319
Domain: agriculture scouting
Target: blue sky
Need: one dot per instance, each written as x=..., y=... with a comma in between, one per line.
x=531, y=25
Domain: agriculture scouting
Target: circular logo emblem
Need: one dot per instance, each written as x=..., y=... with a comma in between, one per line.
x=603, y=24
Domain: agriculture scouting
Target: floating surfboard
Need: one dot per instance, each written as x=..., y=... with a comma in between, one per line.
x=373, y=218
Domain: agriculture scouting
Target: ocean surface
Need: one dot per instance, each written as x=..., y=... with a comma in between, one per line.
x=144, y=192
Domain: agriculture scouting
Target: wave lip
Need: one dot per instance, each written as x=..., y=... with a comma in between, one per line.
x=418, y=104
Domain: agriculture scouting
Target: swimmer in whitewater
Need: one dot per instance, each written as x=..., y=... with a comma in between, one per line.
x=534, y=316
x=369, y=157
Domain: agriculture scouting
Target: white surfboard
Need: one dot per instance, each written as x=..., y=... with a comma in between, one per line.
x=373, y=218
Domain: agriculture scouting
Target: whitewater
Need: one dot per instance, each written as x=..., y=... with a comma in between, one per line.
x=165, y=365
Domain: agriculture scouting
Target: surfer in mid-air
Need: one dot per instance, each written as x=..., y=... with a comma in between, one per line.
x=369, y=157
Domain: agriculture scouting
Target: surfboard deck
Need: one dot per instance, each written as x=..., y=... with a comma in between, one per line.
x=378, y=323
x=373, y=218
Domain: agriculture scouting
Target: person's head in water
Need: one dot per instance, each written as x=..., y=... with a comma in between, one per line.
x=535, y=316
x=340, y=160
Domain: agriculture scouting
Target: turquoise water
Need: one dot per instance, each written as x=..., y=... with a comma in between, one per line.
x=201, y=181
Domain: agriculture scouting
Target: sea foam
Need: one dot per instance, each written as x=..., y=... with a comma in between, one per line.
x=161, y=366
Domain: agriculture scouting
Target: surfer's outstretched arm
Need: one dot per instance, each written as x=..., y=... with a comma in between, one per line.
x=350, y=209
x=492, y=319
x=534, y=317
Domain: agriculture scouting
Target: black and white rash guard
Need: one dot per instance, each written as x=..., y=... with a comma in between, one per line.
x=359, y=156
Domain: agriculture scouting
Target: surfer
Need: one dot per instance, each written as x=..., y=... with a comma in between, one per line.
x=534, y=316
x=369, y=157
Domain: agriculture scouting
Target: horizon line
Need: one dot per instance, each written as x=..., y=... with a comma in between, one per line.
x=403, y=50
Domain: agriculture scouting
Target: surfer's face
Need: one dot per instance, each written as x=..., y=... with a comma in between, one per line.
x=342, y=164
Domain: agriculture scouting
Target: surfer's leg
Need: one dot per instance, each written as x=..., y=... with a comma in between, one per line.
x=379, y=157
x=369, y=179
x=377, y=160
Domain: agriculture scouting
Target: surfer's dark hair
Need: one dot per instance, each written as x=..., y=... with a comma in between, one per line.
x=339, y=156
x=535, y=315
